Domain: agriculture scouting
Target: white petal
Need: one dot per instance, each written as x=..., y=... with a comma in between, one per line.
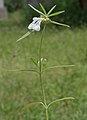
x=35, y=18
x=35, y=25
x=36, y=28
x=30, y=26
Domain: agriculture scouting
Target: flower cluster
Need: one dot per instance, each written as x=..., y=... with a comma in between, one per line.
x=35, y=25
x=44, y=16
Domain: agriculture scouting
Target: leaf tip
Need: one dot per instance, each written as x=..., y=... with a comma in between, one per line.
x=18, y=40
x=73, y=98
x=40, y=3
x=29, y=4
x=68, y=26
x=54, y=6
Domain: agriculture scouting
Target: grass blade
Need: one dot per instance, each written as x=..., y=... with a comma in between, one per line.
x=61, y=24
x=56, y=13
x=42, y=7
x=51, y=9
x=36, y=9
x=58, y=100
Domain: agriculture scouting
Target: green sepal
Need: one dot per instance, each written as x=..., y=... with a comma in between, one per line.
x=42, y=7
x=56, y=13
x=61, y=24
x=51, y=9
x=36, y=10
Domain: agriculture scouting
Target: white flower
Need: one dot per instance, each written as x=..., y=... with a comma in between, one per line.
x=35, y=25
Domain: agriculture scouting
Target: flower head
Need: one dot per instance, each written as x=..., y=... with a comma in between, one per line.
x=44, y=16
x=35, y=25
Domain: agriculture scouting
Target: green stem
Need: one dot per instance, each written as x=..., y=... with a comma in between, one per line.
x=40, y=67
x=40, y=75
x=47, y=118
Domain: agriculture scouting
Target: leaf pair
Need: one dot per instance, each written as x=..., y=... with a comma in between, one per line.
x=47, y=106
x=36, y=63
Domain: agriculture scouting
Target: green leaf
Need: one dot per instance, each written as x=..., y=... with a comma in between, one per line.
x=34, y=61
x=51, y=9
x=42, y=7
x=61, y=24
x=21, y=70
x=56, y=13
x=31, y=104
x=24, y=36
x=36, y=10
x=62, y=66
x=58, y=100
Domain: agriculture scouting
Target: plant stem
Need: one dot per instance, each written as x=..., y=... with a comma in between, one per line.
x=47, y=114
x=40, y=74
x=40, y=67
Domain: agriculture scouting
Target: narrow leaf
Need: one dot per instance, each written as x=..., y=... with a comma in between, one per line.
x=61, y=24
x=36, y=9
x=42, y=7
x=56, y=13
x=33, y=103
x=62, y=66
x=58, y=100
x=51, y=9
x=34, y=61
x=20, y=70
x=24, y=36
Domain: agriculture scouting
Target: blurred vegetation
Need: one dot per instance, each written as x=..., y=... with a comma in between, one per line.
x=18, y=89
x=13, y=5
x=74, y=14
